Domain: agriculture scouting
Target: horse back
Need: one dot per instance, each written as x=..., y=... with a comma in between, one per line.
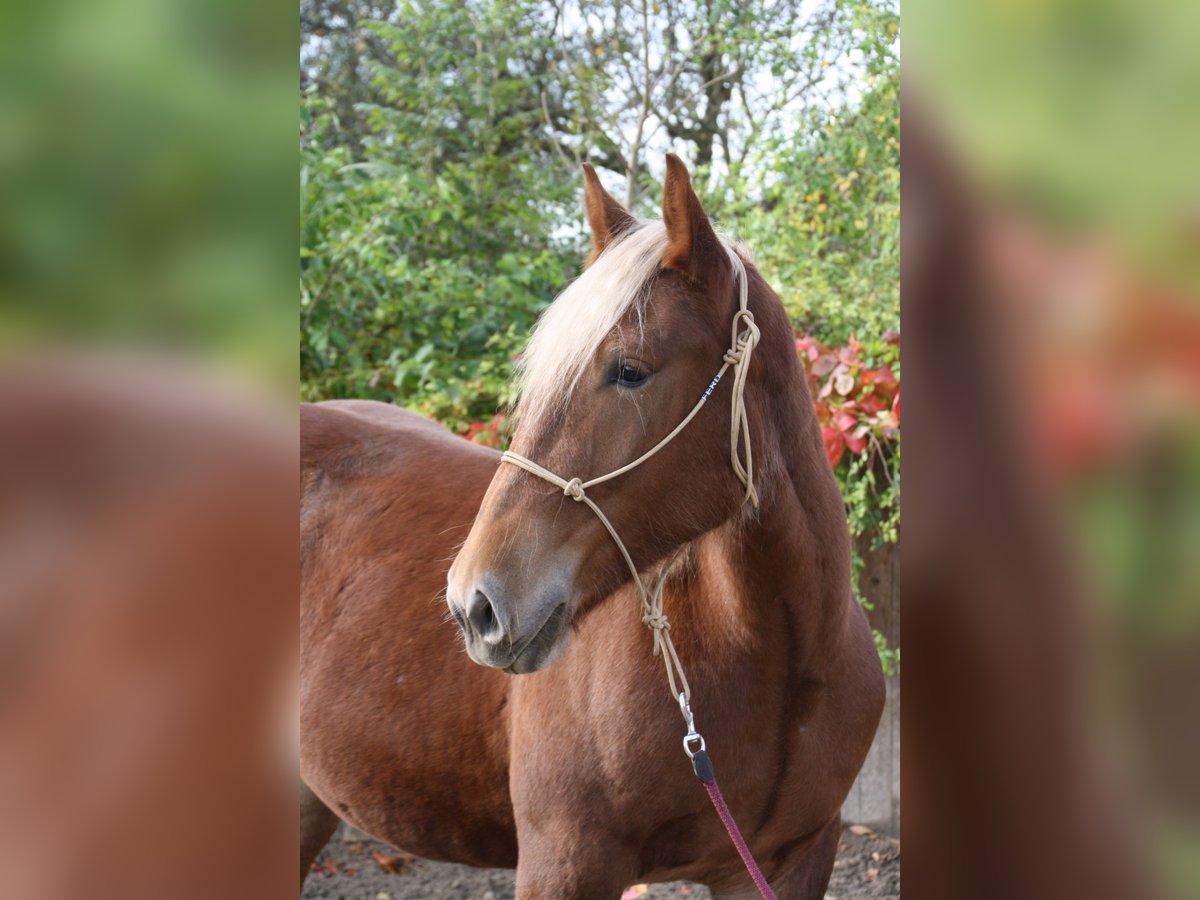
x=343, y=437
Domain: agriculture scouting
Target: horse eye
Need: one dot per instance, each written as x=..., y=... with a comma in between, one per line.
x=630, y=374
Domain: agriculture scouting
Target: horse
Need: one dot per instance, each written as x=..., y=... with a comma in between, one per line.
x=552, y=743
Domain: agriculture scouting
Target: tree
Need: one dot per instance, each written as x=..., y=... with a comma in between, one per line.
x=426, y=259
x=718, y=74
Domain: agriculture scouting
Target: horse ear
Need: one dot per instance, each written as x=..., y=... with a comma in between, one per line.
x=606, y=217
x=691, y=241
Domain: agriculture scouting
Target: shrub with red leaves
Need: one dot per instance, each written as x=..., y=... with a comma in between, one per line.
x=495, y=432
x=857, y=403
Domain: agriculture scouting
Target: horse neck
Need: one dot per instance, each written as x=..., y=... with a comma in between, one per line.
x=788, y=562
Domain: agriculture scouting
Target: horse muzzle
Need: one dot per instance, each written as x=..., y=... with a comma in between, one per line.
x=518, y=632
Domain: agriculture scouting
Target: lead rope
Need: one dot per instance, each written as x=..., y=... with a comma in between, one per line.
x=743, y=338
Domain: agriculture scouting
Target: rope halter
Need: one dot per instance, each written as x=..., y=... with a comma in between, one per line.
x=744, y=337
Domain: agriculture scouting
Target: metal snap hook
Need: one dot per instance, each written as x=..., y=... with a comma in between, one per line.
x=687, y=744
x=692, y=735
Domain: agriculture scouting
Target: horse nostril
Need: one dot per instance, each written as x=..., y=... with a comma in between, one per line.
x=482, y=617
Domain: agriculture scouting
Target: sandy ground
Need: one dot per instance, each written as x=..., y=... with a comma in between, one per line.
x=867, y=868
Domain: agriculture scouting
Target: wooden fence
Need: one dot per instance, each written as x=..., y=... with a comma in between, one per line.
x=875, y=798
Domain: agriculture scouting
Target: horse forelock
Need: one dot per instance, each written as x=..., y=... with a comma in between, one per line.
x=619, y=281
x=580, y=317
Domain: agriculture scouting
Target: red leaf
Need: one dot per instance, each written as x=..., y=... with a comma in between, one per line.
x=872, y=404
x=844, y=421
x=824, y=365
x=808, y=347
x=835, y=444
x=856, y=441
x=851, y=354
x=884, y=375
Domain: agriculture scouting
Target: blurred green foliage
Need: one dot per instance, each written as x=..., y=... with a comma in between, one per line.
x=1083, y=113
x=142, y=184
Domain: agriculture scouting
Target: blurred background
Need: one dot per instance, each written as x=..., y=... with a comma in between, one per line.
x=144, y=180
x=147, y=449
x=1051, y=276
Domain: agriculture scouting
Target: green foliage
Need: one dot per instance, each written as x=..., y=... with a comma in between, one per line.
x=889, y=657
x=425, y=263
x=821, y=207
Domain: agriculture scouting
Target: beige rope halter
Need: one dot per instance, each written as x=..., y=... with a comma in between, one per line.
x=744, y=337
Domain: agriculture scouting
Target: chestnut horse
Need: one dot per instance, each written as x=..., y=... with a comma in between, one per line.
x=572, y=772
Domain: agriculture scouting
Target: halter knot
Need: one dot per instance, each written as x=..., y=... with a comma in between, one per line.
x=656, y=620
x=750, y=333
x=574, y=489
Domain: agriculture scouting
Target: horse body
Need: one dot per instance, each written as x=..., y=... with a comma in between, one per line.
x=578, y=762
x=399, y=727
x=409, y=740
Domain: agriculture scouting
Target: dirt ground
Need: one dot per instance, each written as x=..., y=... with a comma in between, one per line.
x=867, y=868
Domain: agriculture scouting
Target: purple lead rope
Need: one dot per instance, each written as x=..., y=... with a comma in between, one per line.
x=735, y=835
x=703, y=768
